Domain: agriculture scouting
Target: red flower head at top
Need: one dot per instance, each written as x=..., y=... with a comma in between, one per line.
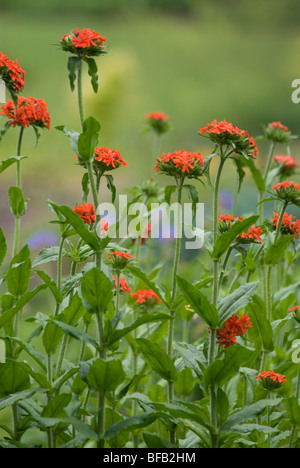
x=123, y=284
x=288, y=164
x=271, y=380
x=277, y=132
x=83, y=42
x=234, y=326
x=230, y=136
x=288, y=192
x=87, y=213
x=30, y=111
x=119, y=259
x=289, y=226
x=251, y=236
x=180, y=164
x=12, y=74
x=158, y=121
x=146, y=297
x=107, y=159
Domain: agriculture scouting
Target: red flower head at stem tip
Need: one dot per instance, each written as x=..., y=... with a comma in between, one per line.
x=288, y=192
x=12, y=74
x=253, y=235
x=296, y=310
x=119, y=259
x=30, y=111
x=277, y=132
x=158, y=121
x=289, y=226
x=87, y=213
x=146, y=297
x=234, y=326
x=83, y=42
x=123, y=284
x=107, y=159
x=271, y=380
x=229, y=135
x=180, y=164
x=288, y=164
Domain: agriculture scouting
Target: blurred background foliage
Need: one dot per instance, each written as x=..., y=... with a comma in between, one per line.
x=196, y=60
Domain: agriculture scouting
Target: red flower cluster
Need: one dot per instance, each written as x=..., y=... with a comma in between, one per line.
x=123, y=284
x=233, y=327
x=30, y=111
x=119, y=259
x=107, y=159
x=180, y=163
x=288, y=161
x=87, y=213
x=11, y=73
x=226, y=133
x=271, y=380
x=294, y=309
x=288, y=191
x=83, y=41
x=289, y=225
x=278, y=125
x=156, y=116
x=227, y=221
x=146, y=296
x=121, y=254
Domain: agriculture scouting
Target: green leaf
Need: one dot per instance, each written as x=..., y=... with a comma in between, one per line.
x=9, y=314
x=13, y=378
x=52, y=337
x=256, y=175
x=293, y=410
x=169, y=189
x=16, y=201
x=193, y=196
x=248, y=413
x=93, y=72
x=97, y=290
x=225, y=240
x=240, y=172
x=132, y=423
x=158, y=359
x=51, y=285
x=75, y=332
x=105, y=375
x=185, y=382
x=74, y=311
x=72, y=135
x=261, y=333
x=153, y=441
x=116, y=335
x=19, y=273
x=78, y=224
x=276, y=251
x=56, y=406
x=236, y=300
x=48, y=254
x=111, y=186
x=199, y=302
x=15, y=397
x=9, y=161
x=73, y=65
x=221, y=370
x=88, y=139
x=3, y=246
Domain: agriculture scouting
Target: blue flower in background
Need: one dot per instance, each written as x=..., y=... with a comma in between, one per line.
x=226, y=200
x=42, y=239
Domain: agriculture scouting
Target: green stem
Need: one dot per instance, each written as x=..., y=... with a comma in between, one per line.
x=117, y=293
x=49, y=377
x=269, y=160
x=173, y=297
x=79, y=94
x=101, y=395
x=19, y=185
x=213, y=332
x=96, y=203
x=294, y=428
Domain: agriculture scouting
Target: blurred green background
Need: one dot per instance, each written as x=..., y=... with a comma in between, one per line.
x=195, y=60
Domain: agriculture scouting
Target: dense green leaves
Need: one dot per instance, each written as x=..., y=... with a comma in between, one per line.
x=236, y=301
x=157, y=358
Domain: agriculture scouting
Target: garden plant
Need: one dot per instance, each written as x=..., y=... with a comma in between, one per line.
x=113, y=363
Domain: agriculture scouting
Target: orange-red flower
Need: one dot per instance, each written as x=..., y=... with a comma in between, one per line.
x=83, y=42
x=279, y=125
x=227, y=134
x=156, y=116
x=119, y=259
x=146, y=297
x=271, y=380
x=180, y=163
x=30, y=111
x=123, y=284
x=87, y=213
x=158, y=121
x=278, y=132
x=252, y=235
x=288, y=191
x=289, y=224
x=107, y=159
x=234, y=326
x=11, y=73
x=288, y=161
x=295, y=308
